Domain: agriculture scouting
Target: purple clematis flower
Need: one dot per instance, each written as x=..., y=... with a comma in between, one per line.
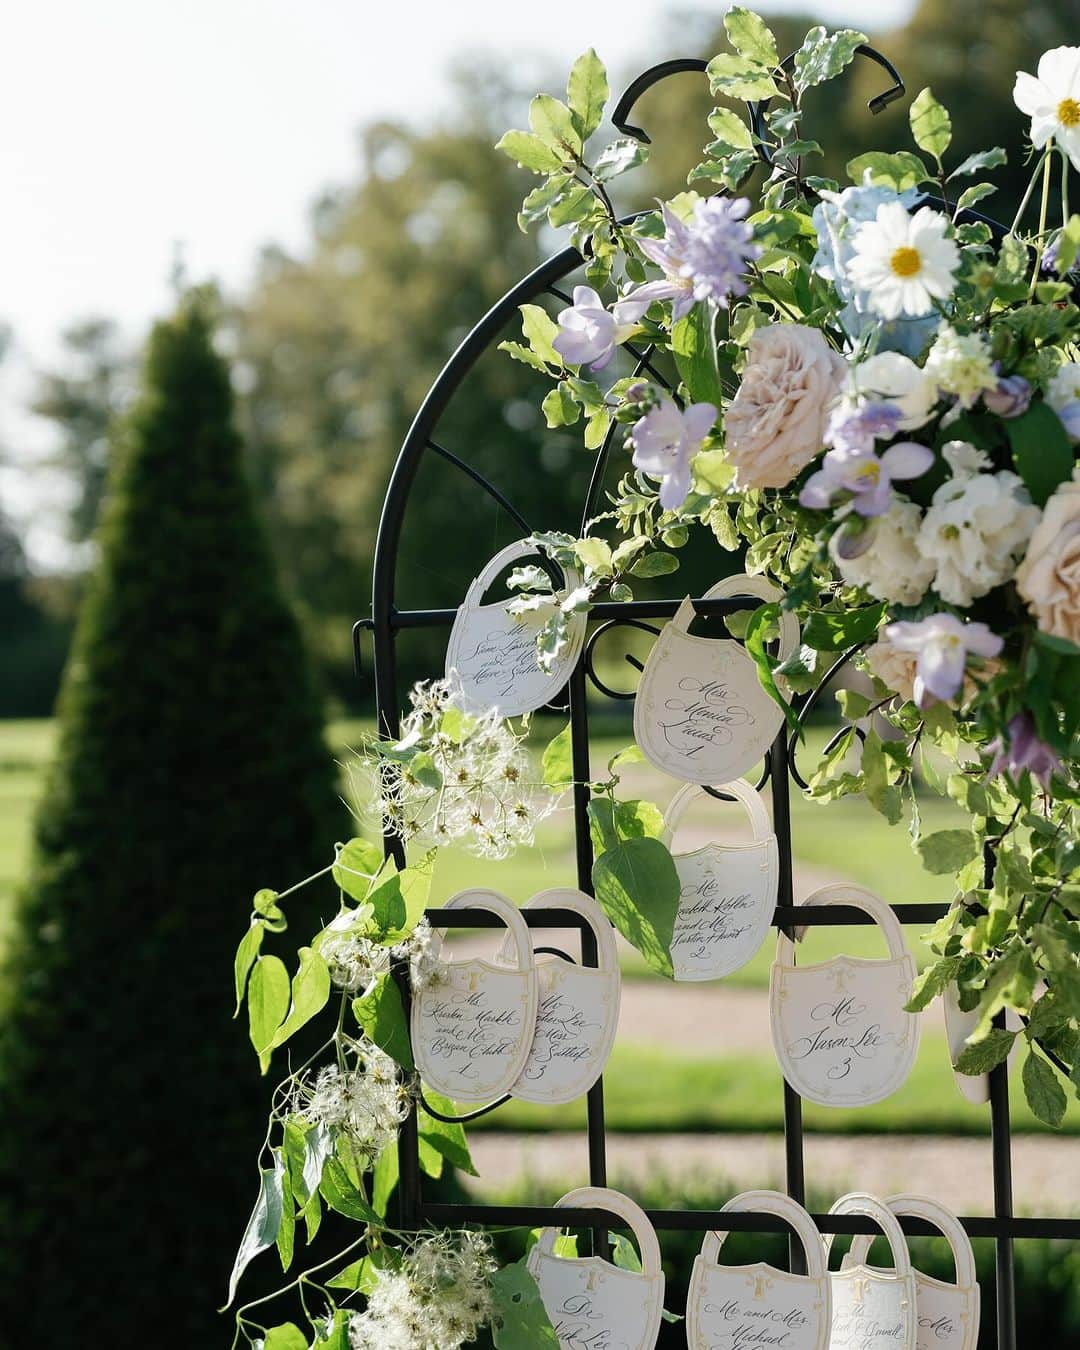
x=1011, y=398
x=865, y=476
x=719, y=245
x=589, y=333
x=1020, y=749
x=941, y=644
x=665, y=441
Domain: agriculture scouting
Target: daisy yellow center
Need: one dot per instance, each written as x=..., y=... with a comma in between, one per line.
x=1068, y=112
x=905, y=262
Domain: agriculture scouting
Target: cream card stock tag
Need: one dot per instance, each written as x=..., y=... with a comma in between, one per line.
x=592, y=1304
x=577, y=1010
x=472, y=1029
x=947, y=1315
x=743, y=1307
x=839, y=1028
x=700, y=712
x=873, y=1309
x=727, y=893
x=493, y=653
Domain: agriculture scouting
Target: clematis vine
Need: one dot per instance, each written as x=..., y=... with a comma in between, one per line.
x=1020, y=751
x=589, y=333
x=665, y=441
x=867, y=477
x=941, y=644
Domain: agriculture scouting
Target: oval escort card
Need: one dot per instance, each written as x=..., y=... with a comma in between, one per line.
x=873, y=1309
x=472, y=1028
x=700, y=712
x=947, y=1315
x=727, y=893
x=577, y=1010
x=839, y=1028
x=592, y=1304
x=743, y=1307
x=493, y=653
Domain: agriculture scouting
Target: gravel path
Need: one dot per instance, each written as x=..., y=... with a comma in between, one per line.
x=1046, y=1170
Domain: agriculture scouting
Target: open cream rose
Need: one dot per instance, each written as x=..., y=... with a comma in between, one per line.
x=775, y=424
x=1049, y=576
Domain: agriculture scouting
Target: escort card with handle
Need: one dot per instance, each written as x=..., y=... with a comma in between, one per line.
x=947, y=1315
x=738, y=1307
x=700, y=712
x=591, y=1302
x=493, y=653
x=472, y=1028
x=727, y=892
x=873, y=1309
x=577, y=1010
x=839, y=1028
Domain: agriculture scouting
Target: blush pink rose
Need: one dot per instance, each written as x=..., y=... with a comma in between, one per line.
x=776, y=423
x=1049, y=576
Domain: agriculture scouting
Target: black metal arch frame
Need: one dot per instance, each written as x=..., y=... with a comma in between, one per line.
x=780, y=769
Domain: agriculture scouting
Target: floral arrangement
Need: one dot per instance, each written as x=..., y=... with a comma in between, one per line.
x=875, y=392
x=875, y=395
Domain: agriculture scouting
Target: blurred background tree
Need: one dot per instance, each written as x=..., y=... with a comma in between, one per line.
x=335, y=346
x=190, y=766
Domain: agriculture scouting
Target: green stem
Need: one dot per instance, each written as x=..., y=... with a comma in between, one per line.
x=1064, y=188
x=1040, y=248
x=1027, y=195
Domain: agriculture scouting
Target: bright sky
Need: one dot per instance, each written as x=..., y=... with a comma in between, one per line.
x=134, y=126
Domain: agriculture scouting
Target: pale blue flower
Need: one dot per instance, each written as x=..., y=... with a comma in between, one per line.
x=665, y=441
x=836, y=218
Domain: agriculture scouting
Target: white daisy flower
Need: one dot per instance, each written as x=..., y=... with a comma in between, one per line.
x=905, y=262
x=1052, y=100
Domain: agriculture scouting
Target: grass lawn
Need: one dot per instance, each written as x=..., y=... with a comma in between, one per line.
x=647, y=1088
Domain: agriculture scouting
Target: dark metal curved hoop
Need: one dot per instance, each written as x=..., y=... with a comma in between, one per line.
x=594, y=637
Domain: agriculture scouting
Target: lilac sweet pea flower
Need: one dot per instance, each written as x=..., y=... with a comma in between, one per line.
x=669, y=255
x=855, y=428
x=1011, y=398
x=666, y=440
x=1020, y=749
x=588, y=333
x=1070, y=419
x=941, y=644
x=867, y=477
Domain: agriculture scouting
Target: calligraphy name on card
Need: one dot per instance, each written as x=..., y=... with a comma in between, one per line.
x=839, y=1027
x=727, y=893
x=492, y=654
x=748, y=1306
x=947, y=1315
x=592, y=1304
x=873, y=1309
x=700, y=712
x=472, y=1028
x=578, y=1009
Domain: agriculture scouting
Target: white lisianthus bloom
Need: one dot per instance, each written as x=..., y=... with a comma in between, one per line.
x=960, y=364
x=1064, y=386
x=977, y=526
x=897, y=378
x=892, y=568
x=904, y=262
x=1052, y=100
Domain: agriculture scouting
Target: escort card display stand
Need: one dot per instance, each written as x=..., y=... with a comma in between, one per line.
x=486, y=646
